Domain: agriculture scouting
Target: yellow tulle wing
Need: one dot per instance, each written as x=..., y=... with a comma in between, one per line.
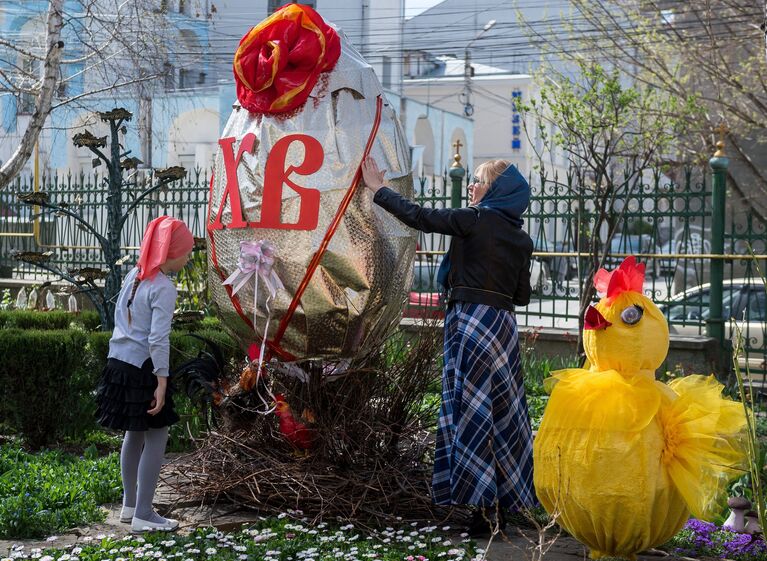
x=704, y=436
x=605, y=400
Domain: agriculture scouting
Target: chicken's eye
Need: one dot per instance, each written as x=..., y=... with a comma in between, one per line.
x=632, y=315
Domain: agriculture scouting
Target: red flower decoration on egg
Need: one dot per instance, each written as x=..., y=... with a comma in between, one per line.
x=280, y=60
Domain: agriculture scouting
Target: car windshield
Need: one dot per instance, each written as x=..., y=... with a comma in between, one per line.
x=697, y=305
x=755, y=305
x=425, y=276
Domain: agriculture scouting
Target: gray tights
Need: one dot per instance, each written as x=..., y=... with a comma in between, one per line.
x=140, y=462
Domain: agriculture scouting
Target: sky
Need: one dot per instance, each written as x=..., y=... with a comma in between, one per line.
x=415, y=7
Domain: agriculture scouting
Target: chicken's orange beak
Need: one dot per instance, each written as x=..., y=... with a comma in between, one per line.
x=594, y=320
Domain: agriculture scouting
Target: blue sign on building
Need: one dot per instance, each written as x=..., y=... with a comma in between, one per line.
x=516, y=120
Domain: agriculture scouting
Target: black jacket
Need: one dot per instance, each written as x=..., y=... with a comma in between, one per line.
x=489, y=256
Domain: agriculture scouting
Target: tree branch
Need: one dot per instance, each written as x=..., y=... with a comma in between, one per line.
x=16, y=162
x=106, y=89
x=140, y=198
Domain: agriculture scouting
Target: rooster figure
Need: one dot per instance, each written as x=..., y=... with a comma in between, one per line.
x=203, y=376
x=297, y=433
x=620, y=458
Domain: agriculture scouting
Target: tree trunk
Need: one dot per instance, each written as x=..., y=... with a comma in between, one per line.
x=55, y=50
x=114, y=214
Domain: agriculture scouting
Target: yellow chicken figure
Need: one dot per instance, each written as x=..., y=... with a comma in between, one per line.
x=621, y=459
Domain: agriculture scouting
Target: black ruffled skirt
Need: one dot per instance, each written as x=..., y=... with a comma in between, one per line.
x=124, y=395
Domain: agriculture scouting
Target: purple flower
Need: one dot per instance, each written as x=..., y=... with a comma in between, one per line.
x=704, y=538
x=700, y=526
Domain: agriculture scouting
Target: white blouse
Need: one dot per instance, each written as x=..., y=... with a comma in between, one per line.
x=148, y=334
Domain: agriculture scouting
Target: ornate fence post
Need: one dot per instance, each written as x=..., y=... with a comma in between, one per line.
x=719, y=163
x=457, y=174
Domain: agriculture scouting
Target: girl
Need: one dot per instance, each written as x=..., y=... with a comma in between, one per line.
x=484, y=454
x=133, y=392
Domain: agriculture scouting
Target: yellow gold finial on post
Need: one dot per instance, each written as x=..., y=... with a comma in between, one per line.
x=457, y=157
x=722, y=129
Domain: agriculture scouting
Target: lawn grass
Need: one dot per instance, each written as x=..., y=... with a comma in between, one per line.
x=272, y=539
x=50, y=491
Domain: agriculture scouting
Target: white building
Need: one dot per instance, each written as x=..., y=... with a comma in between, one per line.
x=475, y=57
x=494, y=95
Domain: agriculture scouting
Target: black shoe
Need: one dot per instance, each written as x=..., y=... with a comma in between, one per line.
x=484, y=520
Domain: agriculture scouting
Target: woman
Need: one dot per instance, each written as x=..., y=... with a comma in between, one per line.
x=484, y=442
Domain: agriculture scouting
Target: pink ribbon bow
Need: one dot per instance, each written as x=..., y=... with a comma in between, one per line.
x=257, y=261
x=256, y=258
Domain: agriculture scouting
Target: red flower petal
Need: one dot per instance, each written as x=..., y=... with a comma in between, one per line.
x=279, y=61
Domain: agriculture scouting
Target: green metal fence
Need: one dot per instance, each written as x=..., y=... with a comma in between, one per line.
x=73, y=247
x=665, y=219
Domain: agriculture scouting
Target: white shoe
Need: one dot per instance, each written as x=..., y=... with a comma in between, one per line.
x=126, y=514
x=138, y=526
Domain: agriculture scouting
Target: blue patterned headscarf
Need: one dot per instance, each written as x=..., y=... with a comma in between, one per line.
x=509, y=195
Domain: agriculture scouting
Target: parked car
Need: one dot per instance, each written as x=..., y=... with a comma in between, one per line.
x=554, y=268
x=425, y=297
x=744, y=300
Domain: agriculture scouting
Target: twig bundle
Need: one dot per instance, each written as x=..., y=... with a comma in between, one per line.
x=371, y=418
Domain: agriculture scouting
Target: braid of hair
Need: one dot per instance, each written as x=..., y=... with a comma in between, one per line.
x=132, y=294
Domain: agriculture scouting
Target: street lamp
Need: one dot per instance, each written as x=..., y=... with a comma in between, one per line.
x=468, y=72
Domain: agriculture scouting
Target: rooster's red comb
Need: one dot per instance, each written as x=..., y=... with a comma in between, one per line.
x=629, y=277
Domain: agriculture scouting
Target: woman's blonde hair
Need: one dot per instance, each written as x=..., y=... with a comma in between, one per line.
x=491, y=170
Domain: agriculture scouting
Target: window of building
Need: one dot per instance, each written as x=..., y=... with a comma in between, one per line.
x=170, y=78
x=386, y=72
x=184, y=79
x=274, y=4
x=201, y=78
x=27, y=99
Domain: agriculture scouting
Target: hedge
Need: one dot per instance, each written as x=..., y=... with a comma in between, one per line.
x=55, y=319
x=40, y=374
x=48, y=378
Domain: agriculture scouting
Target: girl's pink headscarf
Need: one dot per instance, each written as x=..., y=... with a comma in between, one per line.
x=165, y=238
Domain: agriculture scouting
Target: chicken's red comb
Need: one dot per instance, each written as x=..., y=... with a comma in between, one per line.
x=629, y=277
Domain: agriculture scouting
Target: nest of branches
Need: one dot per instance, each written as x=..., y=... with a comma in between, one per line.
x=366, y=430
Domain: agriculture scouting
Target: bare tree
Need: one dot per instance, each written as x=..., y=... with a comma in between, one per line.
x=611, y=132
x=91, y=48
x=711, y=52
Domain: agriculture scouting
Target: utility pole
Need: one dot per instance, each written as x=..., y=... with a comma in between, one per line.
x=468, y=72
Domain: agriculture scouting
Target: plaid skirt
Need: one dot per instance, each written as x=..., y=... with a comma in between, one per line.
x=484, y=450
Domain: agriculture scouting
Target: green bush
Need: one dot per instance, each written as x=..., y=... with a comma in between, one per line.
x=39, y=380
x=48, y=381
x=44, y=493
x=90, y=320
x=55, y=319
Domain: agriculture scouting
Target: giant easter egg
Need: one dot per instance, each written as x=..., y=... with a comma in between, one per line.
x=287, y=173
